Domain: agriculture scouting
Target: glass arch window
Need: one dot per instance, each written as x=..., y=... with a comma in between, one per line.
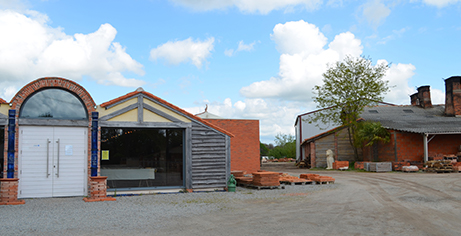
x=53, y=103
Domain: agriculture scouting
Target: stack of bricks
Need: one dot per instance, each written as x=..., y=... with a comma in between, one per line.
x=9, y=192
x=292, y=179
x=398, y=165
x=308, y=176
x=359, y=165
x=322, y=179
x=98, y=190
x=317, y=178
x=266, y=179
x=340, y=164
x=238, y=173
x=241, y=178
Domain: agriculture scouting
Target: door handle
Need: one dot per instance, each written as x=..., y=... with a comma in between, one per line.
x=47, y=157
x=57, y=169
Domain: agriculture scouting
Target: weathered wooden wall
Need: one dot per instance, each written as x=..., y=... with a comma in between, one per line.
x=210, y=157
x=339, y=143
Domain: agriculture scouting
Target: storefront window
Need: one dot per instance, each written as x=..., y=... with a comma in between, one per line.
x=53, y=103
x=134, y=158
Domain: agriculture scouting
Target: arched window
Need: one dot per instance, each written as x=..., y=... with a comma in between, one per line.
x=53, y=103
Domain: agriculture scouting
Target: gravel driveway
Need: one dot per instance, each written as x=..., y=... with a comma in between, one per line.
x=358, y=203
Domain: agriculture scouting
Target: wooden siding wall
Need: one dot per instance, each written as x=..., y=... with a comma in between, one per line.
x=339, y=143
x=210, y=157
x=321, y=146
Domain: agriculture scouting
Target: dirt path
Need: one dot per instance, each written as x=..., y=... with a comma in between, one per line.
x=359, y=203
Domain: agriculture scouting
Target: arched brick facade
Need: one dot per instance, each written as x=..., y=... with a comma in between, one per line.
x=53, y=82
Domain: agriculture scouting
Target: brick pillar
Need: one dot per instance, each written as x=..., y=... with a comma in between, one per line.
x=313, y=157
x=453, y=96
x=98, y=190
x=9, y=192
x=424, y=95
x=414, y=99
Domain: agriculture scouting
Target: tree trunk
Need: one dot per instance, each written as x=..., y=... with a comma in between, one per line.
x=351, y=133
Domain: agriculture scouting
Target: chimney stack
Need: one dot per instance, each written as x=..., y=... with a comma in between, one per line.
x=453, y=96
x=424, y=95
x=414, y=99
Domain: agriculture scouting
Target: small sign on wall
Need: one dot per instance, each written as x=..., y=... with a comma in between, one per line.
x=105, y=155
x=69, y=150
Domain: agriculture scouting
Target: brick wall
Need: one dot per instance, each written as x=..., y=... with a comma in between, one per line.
x=409, y=146
x=245, y=152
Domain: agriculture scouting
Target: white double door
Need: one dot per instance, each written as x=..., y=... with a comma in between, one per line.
x=52, y=161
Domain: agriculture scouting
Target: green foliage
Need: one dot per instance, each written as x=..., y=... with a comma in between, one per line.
x=348, y=87
x=263, y=150
x=285, y=146
x=369, y=133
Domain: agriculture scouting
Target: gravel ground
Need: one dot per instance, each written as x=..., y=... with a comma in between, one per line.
x=357, y=204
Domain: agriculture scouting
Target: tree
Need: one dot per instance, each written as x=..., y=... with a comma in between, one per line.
x=285, y=146
x=263, y=150
x=348, y=87
x=369, y=133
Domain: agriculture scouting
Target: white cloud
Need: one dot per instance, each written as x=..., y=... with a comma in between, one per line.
x=188, y=50
x=33, y=49
x=13, y=4
x=395, y=34
x=303, y=61
x=277, y=101
x=398, y=76
x=249, y=6
x=246, y=47
x=274, y=116
x=241, y=47
x=229, y=52
x=375, y=12
x=298, y=36
x=441, y=3
x=437, y=96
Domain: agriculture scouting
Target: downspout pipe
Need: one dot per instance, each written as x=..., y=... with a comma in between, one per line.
x=425, y=147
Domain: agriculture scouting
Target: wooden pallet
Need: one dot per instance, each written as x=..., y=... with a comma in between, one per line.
x=439, y=170
x=260, y=187
x=324, y=182
x=296, y=183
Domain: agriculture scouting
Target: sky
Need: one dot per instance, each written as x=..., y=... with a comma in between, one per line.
x=244, y=59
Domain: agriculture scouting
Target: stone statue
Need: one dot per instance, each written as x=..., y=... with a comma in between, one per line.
x=330, y=159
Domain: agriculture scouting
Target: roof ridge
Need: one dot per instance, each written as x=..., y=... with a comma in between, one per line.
x=131, y=94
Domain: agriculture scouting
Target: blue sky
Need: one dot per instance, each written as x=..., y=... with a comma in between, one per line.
x=249, y=59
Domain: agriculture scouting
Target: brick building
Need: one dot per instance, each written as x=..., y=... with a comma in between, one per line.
x=58, y=142
x=245, y=153
x=418, y=131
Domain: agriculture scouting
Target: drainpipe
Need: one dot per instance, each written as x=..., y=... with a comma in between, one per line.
x=425, y=148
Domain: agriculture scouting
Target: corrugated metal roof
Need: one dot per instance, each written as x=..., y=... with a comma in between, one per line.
x=414, y=119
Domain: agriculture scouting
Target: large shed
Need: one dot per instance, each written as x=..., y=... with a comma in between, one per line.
x=57, y=139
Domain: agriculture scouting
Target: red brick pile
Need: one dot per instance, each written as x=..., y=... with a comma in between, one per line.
x=340, y=164
x=457, y=167
x=359, y=165
x=317, y=178
x=244, y=180
x=266, y=179
x=307, y=176
x=321, y=178
x=292, y=179
x=238, y=173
